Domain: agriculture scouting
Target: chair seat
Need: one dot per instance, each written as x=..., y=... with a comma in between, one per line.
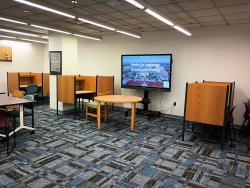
x=93, y=104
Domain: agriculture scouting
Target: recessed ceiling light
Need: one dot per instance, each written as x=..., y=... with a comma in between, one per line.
x=135, y=3
x=74, y=2
x=45, y=8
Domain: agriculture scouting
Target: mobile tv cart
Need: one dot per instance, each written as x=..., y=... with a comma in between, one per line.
x=144, y=111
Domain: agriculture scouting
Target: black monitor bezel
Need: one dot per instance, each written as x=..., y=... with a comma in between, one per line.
x=143, y=87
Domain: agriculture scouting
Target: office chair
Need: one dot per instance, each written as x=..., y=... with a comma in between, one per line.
x=32, y=90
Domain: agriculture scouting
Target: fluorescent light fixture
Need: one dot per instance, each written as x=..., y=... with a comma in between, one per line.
x=138, y=5
x=45, y=8
x=45, y=37
x=34, y=40
x=130, y=34
x=47, y=28
x=5, y=36
x=19, y=32
x=87, y=37
x=96, y=24
x=11, y=42
x=13, y=21
x=182, y=30
x=159, y=17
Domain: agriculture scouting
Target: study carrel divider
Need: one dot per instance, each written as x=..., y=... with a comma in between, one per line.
x=20, y=80
x=208, y=103
x=71, y=87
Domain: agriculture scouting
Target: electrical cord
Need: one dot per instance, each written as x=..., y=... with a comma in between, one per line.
x=171, y=108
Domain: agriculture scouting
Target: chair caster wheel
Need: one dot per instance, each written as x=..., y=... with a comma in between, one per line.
x=32, y=132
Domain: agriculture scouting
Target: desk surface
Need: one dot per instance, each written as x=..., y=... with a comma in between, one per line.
x=118, y=99
x=8, y=101
x=84, y=92
x=24, y=86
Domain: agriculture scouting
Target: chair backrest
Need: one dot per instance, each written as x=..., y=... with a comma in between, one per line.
x=17, y=93
x=247, y=111
x=31, y=89
x=4, y=119
x=230, y=117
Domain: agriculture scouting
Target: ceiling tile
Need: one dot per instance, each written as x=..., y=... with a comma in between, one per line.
x=118, y=15
x=204, y=12
x=239, y=21
x=230, y=2
x=179, y=15
x=214, y=23
x=146, y=19
x=210, y=19
x=99, y=8
x=136, y=13
x=158, y=2
x=196, y=4
x=235, y=9
x=240, y=16
x=132, y=21
x=170, y=8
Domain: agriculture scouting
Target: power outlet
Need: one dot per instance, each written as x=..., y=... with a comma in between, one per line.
x=174, y=103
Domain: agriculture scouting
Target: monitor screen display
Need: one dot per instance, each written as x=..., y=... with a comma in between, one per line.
x=146, y=71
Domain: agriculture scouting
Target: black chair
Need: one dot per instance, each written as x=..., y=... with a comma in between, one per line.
x=246, y=117
x=5, y=123
x=230, y=120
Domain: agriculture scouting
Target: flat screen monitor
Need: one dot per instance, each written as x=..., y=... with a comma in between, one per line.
x=148, y=71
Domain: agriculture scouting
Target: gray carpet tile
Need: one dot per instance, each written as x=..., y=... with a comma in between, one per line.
x=72, y=153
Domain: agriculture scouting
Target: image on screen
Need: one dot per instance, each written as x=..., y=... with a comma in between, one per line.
x=147, y=71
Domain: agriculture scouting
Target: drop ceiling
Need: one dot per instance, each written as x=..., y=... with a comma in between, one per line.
x=119, y=13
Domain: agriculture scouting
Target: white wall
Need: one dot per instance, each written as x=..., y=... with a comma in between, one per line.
x=25, y=58
x=215, y=53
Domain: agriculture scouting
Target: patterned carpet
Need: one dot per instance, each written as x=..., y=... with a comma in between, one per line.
x=72, y=153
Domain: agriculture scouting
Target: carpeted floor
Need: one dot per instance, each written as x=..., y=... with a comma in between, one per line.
x=72, y=153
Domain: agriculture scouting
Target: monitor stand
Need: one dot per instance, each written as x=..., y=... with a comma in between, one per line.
x=145, y=111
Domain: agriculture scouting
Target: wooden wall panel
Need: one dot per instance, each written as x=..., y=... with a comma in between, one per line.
x=65, y=89
x=12, y=82
x=105, y=85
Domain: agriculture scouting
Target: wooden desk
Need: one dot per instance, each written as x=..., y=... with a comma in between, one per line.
x=8, y=101
x=117, y=99
x=24, y=86
x=84, y=92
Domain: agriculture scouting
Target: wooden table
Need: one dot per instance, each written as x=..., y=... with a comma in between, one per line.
x=117, y=99
x=8, y=101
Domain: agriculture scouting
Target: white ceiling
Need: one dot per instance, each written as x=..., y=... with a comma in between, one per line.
x=119, y=13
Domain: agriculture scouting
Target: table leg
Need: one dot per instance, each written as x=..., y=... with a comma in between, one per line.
x=106, y=112
x=132, y=116
x=99, y=115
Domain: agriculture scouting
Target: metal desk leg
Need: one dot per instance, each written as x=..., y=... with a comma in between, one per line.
x=132, y=116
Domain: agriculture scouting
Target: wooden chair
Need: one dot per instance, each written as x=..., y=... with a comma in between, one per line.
x=94, y=106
